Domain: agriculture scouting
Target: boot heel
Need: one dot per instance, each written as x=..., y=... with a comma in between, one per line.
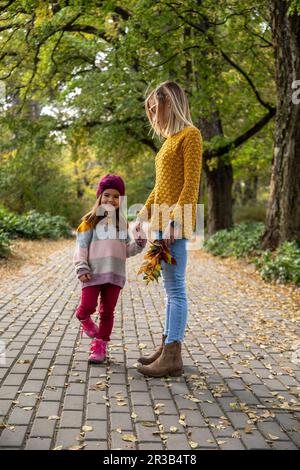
x=176, y=373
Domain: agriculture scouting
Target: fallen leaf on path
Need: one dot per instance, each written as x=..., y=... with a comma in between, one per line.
x=129, y=437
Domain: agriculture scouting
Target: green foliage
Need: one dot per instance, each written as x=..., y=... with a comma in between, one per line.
x=91, y=64
x=241, y=240
x=4, y=244
x=33, y=170
x=33, y=225
x=254, y=213
x=294, y=7
x=281, y=266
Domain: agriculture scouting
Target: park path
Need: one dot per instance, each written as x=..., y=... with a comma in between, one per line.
x=240, y=389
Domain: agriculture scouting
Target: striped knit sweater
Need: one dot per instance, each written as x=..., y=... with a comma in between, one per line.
x=102, y=257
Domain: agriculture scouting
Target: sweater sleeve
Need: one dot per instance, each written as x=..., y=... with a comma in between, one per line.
x=84, y=235
x=192, y=148
x=145, y=212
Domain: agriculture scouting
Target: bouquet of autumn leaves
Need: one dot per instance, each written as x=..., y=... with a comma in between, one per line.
x=151, y=267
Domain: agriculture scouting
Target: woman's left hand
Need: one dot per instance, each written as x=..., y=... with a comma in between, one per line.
x=168, y=235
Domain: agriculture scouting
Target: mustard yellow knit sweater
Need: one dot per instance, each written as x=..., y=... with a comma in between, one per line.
x=178, y=166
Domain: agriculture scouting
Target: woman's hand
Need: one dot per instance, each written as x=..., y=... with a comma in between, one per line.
x=85, y=277
x=168, y=235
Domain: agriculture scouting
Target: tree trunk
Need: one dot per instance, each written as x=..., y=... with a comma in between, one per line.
x=283, y=214
x=218, y=182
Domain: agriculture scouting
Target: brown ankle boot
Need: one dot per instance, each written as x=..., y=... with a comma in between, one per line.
x=168, y=363
x=145, y=360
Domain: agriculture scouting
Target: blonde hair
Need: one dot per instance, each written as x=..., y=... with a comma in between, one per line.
x=179, y=116
x=92, y=218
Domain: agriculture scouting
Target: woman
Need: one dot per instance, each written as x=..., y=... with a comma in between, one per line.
x=171, y=206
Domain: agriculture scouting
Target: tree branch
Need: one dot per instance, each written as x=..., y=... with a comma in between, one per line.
x=224, y=55
x=223, y=149
x=7, y=5
x=246, y=76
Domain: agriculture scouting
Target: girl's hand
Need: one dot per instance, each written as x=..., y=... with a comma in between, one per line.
x=85, y=277
x=137, y=226
x=139, y=234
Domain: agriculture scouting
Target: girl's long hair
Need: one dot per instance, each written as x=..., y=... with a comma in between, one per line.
x=92, y=218
x=179, y=116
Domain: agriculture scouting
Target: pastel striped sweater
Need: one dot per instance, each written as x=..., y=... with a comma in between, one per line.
x=102, y=257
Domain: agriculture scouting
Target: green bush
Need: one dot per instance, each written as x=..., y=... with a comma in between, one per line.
x=34, y=225
x=241, y=240
x=283, y=265
x=4, y=244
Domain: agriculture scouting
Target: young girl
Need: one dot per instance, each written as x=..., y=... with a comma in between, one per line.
x=102, y=246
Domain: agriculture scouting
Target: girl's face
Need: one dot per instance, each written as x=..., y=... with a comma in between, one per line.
x=161, y=116
x=111, y=196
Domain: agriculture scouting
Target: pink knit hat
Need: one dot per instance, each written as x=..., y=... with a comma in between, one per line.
x=111, y=181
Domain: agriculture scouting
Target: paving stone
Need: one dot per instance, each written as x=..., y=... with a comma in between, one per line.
x=152, y=446
x=38, y=443
x=73, y=402
x=144, y=413
x=177, y=442
x=145, y=434
x=48, y=408
x=13, y=438
x=95, y=445
x=67, y=437
x=14, y=379
x=254, y=441
x=99, y=431
x=140, y=398
x=76, y=389
x=239, y=420
x=71, y=419
x=4, y=407
x=32, y=386
x=56, y=381
x=8, y=392
x=43, y=427
x=170, y=421
x=283, y=445
x=272, y=428
x=96, y=411
x=20, y=416
x=118, y=443
x=52, y=395
x=231, y=444
x=121, y=420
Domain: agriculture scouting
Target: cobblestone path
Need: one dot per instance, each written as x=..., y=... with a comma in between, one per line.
x=241, y=384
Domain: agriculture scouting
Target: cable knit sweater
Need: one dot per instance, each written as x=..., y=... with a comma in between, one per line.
x=102, y=257
x=178, y=166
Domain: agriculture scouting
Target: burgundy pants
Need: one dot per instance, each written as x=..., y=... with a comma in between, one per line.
x=108, y=299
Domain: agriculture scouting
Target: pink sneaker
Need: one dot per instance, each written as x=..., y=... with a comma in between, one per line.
x=89, y=327
x=98, y=351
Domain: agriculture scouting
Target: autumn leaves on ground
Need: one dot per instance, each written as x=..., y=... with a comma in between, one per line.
x=27, y=254
x=240, y=388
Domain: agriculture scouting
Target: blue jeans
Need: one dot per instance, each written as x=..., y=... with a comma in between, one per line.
x=174, y=283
